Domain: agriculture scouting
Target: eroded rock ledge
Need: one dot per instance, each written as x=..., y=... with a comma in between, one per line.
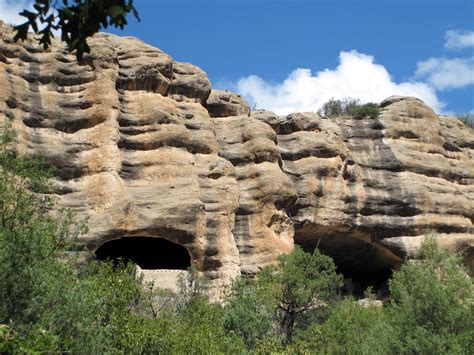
x=145, y=148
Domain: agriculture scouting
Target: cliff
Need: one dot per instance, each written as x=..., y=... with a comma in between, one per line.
x=145, y=148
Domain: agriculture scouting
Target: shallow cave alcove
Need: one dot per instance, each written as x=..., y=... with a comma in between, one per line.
x=362, y=264
x=147, y=252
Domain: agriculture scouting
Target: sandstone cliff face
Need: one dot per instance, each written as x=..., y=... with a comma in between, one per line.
x=365, y=188
x=144, y=147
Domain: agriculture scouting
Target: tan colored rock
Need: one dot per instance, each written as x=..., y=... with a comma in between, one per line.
x=361, y=183
x=263, y=229
x=223, y=103
x=144, y=148
x=189, y=82
x=130, y=158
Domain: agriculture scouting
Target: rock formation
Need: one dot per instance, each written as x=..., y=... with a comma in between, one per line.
x=145, y=148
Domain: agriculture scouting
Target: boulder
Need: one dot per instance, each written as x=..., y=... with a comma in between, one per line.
x=223, y=103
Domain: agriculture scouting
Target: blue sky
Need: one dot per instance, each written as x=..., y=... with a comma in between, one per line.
x=290, y=55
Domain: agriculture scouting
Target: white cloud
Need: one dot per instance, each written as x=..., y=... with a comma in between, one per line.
x=356, y=76
x=10, y=9
x=445, y=74
x=458, y=39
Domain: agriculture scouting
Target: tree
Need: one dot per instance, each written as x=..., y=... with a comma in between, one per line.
x=432, y=304
x=303, y=286
x=246, y=312
x=76, y=19
x=29, y=237
x=298, y=290
x=192, y=288
x=41, y=304
x=48, y=303
x=350, y=329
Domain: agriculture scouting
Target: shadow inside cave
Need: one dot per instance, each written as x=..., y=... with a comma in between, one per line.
x=361, y=263
x=147, y=252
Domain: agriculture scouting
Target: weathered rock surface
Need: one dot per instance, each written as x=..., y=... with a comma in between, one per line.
x=366, y=186
x=144, y=147
x=223, y=103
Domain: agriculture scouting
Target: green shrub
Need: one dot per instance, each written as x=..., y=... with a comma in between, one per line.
x=338, y=108
x=370, y=110
x=432, y=303
x=200, y=330
x=351, y=329
x=247, y=314
x=349, y=107
x=302, y=287
x=40, y=300
x=283, y=300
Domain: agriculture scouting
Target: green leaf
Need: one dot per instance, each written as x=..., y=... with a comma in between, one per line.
x=29, y=15
x=66, y=12
x=21, y=32
x=116, y=11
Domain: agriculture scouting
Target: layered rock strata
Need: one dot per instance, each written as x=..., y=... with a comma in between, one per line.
x=144, y=147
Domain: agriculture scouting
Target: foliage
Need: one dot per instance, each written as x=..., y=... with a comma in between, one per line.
x=349, y=107
x=303, y=288
x=467, y=119
x=197, y=330
x=430, y=312
x=351, y=329
x=338, y=108
x=286, y=297
x=432, y=303
x=192, y=288
x=200, y=330
x=77, y=20
x=370, y=110
x=298, y=290
x=40, y=301
x=247, y=314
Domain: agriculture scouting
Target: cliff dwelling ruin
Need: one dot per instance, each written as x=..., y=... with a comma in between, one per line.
x=159, y=260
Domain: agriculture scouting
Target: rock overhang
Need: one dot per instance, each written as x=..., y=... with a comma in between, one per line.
x=143, y=144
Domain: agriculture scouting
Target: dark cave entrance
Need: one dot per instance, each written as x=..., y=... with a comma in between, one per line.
x=362, y=264
x=147, y=252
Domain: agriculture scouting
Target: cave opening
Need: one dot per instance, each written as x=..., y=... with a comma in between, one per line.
x=362, y=264
x=147, y=252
